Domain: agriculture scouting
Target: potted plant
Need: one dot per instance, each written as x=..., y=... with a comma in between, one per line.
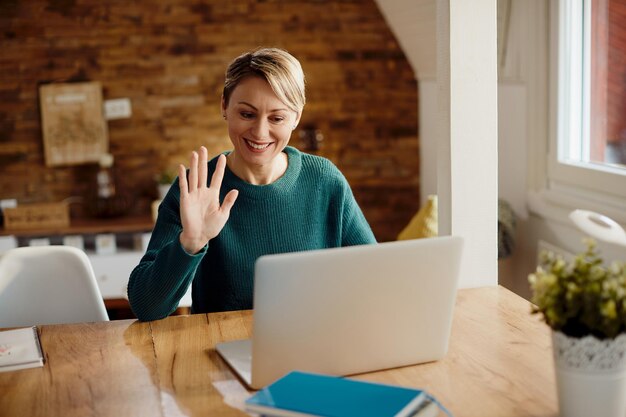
x=584, y=302
x=164, y=181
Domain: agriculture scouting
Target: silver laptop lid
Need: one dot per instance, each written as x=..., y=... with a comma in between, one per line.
x=354, y=309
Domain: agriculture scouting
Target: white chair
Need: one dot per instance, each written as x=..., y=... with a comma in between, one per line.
x=48, y=285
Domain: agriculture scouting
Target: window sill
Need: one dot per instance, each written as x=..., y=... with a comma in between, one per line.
x=556, y=204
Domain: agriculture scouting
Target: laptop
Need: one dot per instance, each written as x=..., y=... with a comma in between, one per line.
x=349, y=310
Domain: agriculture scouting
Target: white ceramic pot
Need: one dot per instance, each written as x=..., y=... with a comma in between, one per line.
x=163, y=189
x=590, y=375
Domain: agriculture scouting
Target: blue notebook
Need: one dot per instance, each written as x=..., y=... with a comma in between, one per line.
x=300, y=394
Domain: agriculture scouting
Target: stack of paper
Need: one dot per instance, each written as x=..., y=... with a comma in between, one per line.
x=305, y=394
x=20, y=349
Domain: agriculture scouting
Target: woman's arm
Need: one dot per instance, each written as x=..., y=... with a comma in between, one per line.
x=189, y=216
x=355, y=228
x=166, y=270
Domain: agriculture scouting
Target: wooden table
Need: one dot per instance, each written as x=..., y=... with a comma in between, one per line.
x=499, y=364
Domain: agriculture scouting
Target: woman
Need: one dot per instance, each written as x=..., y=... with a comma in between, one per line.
x=263, y=197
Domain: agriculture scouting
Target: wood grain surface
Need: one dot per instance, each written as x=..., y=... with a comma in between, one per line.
x=499, y=364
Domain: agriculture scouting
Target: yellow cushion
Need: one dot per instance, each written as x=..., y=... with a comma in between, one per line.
x=424, y=223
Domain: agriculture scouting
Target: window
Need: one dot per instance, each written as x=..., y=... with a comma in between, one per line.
x=588, y=153
x=607, y=72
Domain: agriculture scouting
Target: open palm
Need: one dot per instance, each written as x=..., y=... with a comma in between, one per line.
x=201, y=214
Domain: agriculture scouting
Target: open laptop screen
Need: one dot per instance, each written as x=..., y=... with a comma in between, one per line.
x=354, y=309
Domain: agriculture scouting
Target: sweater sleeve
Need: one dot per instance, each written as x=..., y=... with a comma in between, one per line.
x=165, y=272
x=355, y=228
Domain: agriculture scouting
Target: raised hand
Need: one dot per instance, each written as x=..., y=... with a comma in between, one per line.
x=201, y=215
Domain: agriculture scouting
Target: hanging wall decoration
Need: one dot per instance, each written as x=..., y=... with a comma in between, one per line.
x=74, y=129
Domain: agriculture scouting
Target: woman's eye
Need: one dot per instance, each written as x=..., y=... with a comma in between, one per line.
x=247, y=115
x=278, y=119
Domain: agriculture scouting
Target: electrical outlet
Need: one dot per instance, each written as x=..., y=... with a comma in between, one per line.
x=118, y=108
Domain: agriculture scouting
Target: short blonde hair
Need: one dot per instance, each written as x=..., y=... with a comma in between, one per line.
x=278, y=67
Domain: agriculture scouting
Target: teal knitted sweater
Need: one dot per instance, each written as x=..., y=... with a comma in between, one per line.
x=310, y=207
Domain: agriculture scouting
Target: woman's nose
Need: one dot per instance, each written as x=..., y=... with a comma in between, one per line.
x=260, y=129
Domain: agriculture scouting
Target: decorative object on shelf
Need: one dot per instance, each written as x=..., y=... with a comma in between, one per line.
x=75, y=241
x=584, y=302
x=154, y=209
x=105, y=244
x=104, y=178
x=40, y=241
x=4, y=204
x=141, y=240
x=74, y=129
x=36, y=216
x=107, y=200
x=164, y=181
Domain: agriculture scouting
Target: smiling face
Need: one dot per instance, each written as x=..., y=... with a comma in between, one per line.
x=259, y=125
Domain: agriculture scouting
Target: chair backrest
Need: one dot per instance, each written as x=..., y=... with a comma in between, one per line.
x=48, y=285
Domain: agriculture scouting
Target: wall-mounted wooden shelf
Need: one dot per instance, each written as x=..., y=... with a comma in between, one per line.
x=90, y=226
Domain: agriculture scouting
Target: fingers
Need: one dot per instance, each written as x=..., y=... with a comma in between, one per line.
x=203, y=168
x=199, y=172
x=182, y=180
x=193, y=172
x=218, y=175
x=229, y=201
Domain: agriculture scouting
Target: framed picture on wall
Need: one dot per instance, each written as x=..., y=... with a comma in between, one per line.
x=73, y=125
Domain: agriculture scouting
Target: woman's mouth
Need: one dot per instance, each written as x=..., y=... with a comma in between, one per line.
x=257, y=147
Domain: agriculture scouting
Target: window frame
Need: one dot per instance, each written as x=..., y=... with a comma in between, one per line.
x=584, y=183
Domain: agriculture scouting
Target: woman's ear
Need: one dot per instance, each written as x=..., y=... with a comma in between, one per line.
x=223, y=103
x=297, y=120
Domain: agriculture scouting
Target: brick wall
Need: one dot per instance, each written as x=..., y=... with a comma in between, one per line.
x=616, y=83
x=168, y=57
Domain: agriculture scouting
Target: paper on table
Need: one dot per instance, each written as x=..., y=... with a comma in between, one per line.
x=20, y=349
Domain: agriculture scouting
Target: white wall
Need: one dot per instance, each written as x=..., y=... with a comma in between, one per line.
x=414, y=24
x=523, y=117
x=522, y=123
x=465, y=110
x=428, y=137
